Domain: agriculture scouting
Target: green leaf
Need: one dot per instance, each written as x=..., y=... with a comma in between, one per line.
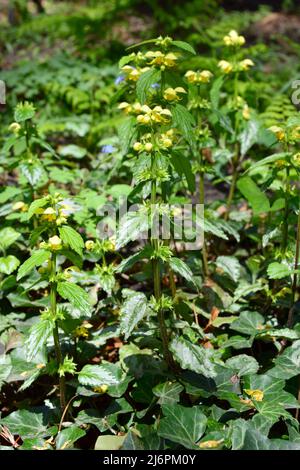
x=75, y=295
x=230, y=265
x=8, y=193
x=36, y=205
x=193, y=357
x=257, y=199
x=249, y=136
x=36, y=259
x=215, y=92
x=8, y=236
x=180, y=267
x=109, y=442
x=242, y=365
x=97, y=375
x=183, y=167
x=38, y=336
x=249, y=323
x=184, y=46
x=131, y=226
x=168, y=392
x=66, y=438
x=126, y=131
x=269, y=236
x=8, y=264
x=72, y=151
x=132, y=311
x=279, y=270
x=287, y=365
x=184, y=121
x=144, y=83
x=33, y=172
x=71, y=238
x=269, y=160
x=24, y=111
x=182, y=425
x=25, y=423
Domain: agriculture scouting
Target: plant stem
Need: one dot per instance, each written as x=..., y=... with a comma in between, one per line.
x=295, y=276
x=286, y=214
x=58, y=352
x=201, y=201
x=235, y=172
x=157, y=286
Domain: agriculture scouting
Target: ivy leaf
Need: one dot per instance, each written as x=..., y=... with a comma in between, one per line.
x=26, y=424
x=249, y=323
x=256, y=198
x=168, y=392
x=109, y=442
x=75, y=295
x=36, y=259
x=97, y=375
x=66, y=438
x=184, y=46
x=287, y=365
x=180, y=267
x=144, y=83
x=8, y=264
x=8, y=236
x=230, y=265
x=242, y=365
x=71, y=238
x=182, y=425
x=132, y=311
x=37, y=339
x=193, y=357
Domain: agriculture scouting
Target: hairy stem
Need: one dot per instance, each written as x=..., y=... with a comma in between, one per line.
x=235, y=173
x=58, y=352
x=295, y=276
x=285, y=224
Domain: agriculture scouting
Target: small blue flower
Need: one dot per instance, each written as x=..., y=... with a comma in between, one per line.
x=119, y=79
x=155, y=85
x=108, y=149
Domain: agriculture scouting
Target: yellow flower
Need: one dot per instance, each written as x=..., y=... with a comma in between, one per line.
x=278, y=131
x=256, y=395
x=55, y=243
x=205, y=76
x=296, y=133
x=89, y=244
x=138, y=146
x=15, y=127
x=126, y=107
x=246, y=64
x=171, y=94
x=246, y=112
x=160, y=59
x=226, y=67
x=81, y=332
x=198, y=77
x=148, y=147
x=143, y=119
x=49, y=214
x=20, y=206
x=233, y=39
x=296, y=159
x=210, y=444
x=131, y=73
x=102, y=389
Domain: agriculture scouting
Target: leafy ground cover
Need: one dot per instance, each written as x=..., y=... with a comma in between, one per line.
x=110, y=339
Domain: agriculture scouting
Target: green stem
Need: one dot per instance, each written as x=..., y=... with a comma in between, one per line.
x=285, y=224
x=201, y=201
x=58, y=352
x=235, y=172
x=290, y=320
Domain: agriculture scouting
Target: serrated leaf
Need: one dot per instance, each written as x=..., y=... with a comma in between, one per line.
x=36, y=259
x=278, y=270
x=75, y=295
x=184, y=46
x=193, y=357
x=36, y=205
x=144, y=83
x=33, y=172
x=249, y=136
x=184, y=121
x=38, y=336
x=180, y=267
x=71, y=238
x=131, y=226
x=183, y=167
x=182, y=425
x=8, y=264
x=97, y=375
x=126, y=131
x=230, y=265
x=132, y=311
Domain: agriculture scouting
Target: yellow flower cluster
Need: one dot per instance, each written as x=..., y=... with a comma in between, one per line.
x=159, y=59
x=278, y=131
x=233, y=39
x=256, y=395
x=132, y=74
x=51, y=215
x=156, y=115
x=163, y=141
x=198, y=77
x=54, y=244
x=20, y=206
x=173, y=94
x=228, y=67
